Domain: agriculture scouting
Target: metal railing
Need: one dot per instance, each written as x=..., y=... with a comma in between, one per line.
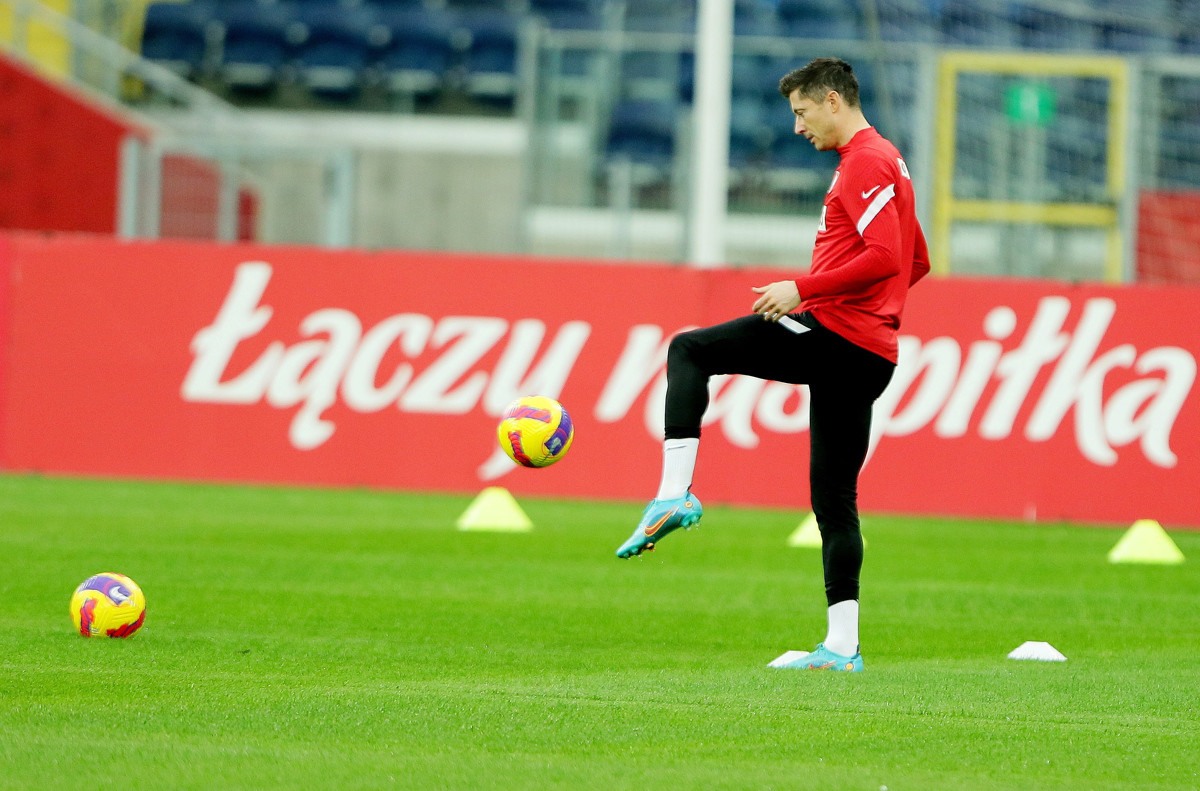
x=111, y=64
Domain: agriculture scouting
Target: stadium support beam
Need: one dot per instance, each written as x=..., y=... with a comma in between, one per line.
x=709, y=196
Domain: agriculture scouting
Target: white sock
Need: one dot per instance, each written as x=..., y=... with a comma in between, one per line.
x=843, y=628
x=679, y=461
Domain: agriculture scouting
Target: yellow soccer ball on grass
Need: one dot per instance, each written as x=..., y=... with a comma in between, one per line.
x=108, y=605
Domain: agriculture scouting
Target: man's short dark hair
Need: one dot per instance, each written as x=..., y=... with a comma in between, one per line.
x=821, y=76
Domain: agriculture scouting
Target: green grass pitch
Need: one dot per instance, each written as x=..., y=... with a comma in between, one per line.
x=346, y=639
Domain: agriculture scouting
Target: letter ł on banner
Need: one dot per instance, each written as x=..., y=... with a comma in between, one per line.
x=239, y=318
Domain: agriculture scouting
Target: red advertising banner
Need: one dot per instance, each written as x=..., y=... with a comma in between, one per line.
x=248, y=363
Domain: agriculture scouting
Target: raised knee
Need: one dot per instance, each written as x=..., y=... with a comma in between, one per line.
x=682, y=341
x=681, y=347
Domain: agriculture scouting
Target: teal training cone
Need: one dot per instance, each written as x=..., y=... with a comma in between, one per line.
x=1145, y=542
x=496, y=510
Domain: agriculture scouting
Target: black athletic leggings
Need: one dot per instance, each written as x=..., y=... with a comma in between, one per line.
x=843, y=379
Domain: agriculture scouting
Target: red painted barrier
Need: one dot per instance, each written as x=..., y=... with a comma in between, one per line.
x=59, y=155
x=60, y=159
x=187, y=360
x=1168, y=238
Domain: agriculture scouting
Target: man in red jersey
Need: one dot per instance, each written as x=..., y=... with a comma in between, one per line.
x=833, y=329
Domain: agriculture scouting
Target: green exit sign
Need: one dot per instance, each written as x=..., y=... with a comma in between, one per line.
x=1030, y=103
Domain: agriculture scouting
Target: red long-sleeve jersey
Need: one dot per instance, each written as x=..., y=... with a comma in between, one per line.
x=869, y=247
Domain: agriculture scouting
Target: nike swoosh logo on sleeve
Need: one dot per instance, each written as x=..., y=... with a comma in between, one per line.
x=871, y=191
x=876, y=206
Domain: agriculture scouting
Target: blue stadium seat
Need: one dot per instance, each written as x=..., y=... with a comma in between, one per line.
x=661, y=76
x=1181, y=98
x=419, y=51
x=906, y=20
x=1038, y=27
x=569, y=18
x=1188, y=42
x=490, y=59
x=571, y=15
x=750, y=134
x=790, y=151
x=966, y=23
x=1134, y=36
x=772, y=71
x=332, y=58
x=660, y=16
x=1076, y=158
x=555, y=8
x=1147, y=10
x=980, y=99
x=255, y=46
x=1179, y=156
x=1188, y=17
x=658, y=75
x=643, y=131
x=756, y=18
x=745, y=77
x=175, y=35
x=830, y=19
x=471, y=6
x=1081, y=96
x=900, y=82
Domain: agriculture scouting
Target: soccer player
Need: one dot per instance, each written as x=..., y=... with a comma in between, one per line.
x=833, y=329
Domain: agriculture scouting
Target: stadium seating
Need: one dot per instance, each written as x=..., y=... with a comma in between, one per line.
x=553, y=10
x=1137, y=36
x=576, y=64
x=419, y=52
x=1180, y=144
x=431, y=46
x=906, y=20
x=1181, y=99
x=255, y=45
x=967, y=23
x=817, y=19
x=1039, y=27
x=1076, y=152
x=793, y=167
x=749, y=133
x=643, y=131
x=755, y=18
x=490, y=57
x=1188, y=18
x=1188, y=42
x=660, y=16
x=175, y=35
x=337, y=45
x=656, y=75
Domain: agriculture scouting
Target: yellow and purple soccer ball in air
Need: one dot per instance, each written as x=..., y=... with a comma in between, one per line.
x=108, y=605
x=535, y=431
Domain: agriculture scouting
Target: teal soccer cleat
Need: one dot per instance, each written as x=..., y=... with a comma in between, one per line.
x=659, y=519
x=824, y=659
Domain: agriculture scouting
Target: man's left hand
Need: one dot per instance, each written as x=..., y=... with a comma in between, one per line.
x=778, y=299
